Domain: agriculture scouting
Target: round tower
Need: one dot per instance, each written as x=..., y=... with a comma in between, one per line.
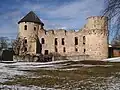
x=97, y=38
x=28, y=31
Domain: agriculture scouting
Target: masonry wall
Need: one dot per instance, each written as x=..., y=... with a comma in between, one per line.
x=92, y=39
x=95, y=44
x=30, y=35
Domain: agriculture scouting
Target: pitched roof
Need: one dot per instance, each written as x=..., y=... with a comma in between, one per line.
x=31, y=17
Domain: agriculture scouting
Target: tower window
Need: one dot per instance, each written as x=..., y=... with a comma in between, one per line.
x=76, y=40
x=25, y=27
x=64, y=50
x=84, y=40
x=56, y=49
x=25, y=41
x=63, y=42
x=42, y=41
x=34, y=28
x=46, y=52
x=25, y=49
x=56, y=41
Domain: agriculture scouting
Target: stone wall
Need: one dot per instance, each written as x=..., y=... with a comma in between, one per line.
x=91, y=40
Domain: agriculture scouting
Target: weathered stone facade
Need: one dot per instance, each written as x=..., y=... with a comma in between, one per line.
x=91, y=40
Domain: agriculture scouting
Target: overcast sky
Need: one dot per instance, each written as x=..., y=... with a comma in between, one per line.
x=66, y=14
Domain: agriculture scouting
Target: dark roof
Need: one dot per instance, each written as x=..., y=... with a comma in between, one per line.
x=31, y=17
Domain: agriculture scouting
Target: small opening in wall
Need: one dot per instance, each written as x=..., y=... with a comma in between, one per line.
x=64, y=50
x=56, y=49
x=84, y=40
x=42, y=41
x=63, y=42
x=34, y=28
x=56, y=41
x=25, y=41
x=25, y=27
x=84, y=50
x=46, y=52
x=76, y=49
x=25, y=49
x=76, y=40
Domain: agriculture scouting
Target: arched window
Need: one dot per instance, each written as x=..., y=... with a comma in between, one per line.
x=25, y=41
x=42, y=41
x=76, y=40
x=76, y=49
x=34, y=28
x=25, y=27
x=84, y=40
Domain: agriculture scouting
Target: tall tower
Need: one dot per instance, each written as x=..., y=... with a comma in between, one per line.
x=28, y=31
x=97, y=37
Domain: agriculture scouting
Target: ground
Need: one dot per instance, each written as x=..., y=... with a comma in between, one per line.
x=62, y=75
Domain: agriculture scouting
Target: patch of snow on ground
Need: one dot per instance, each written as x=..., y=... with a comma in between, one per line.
x=116, y=59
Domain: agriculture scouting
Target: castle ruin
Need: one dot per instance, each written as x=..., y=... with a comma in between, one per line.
x=90, y=41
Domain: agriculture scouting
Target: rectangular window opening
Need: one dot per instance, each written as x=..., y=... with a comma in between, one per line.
x=56, y=49
x=84, y=40
x=42, y=41
x=56, y=41
x=63, y=42
x=46, y=52
x=76, y=40
x=64, y=50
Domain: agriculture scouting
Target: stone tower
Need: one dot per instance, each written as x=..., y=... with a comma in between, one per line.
x=28, y=32
x=96, y=36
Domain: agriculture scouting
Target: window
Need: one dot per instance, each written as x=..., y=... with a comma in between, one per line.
x=46, y=52
x=25, y=27
x=25, y=41
x=64, y=50
x=76, y=40
x=84, y=40
x=34, y=28
x=56, y=49
x=55, y=41
x=42, y=41
x=76, y=49
x=63, y=41
x=84, y=50
x=25, y=49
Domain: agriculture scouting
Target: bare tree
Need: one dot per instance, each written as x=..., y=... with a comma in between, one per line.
x=112, y=11
x=19, y=46
x=4, y=42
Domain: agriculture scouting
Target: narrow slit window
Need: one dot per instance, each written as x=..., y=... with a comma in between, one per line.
x=34, y=28
x=84, y=40
x=56, y=49
x=76, y=40
x=25, y=27
x=64, y=50
x=42, y=41
x=63, y=41
x=84, y=50
x=56, y=41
